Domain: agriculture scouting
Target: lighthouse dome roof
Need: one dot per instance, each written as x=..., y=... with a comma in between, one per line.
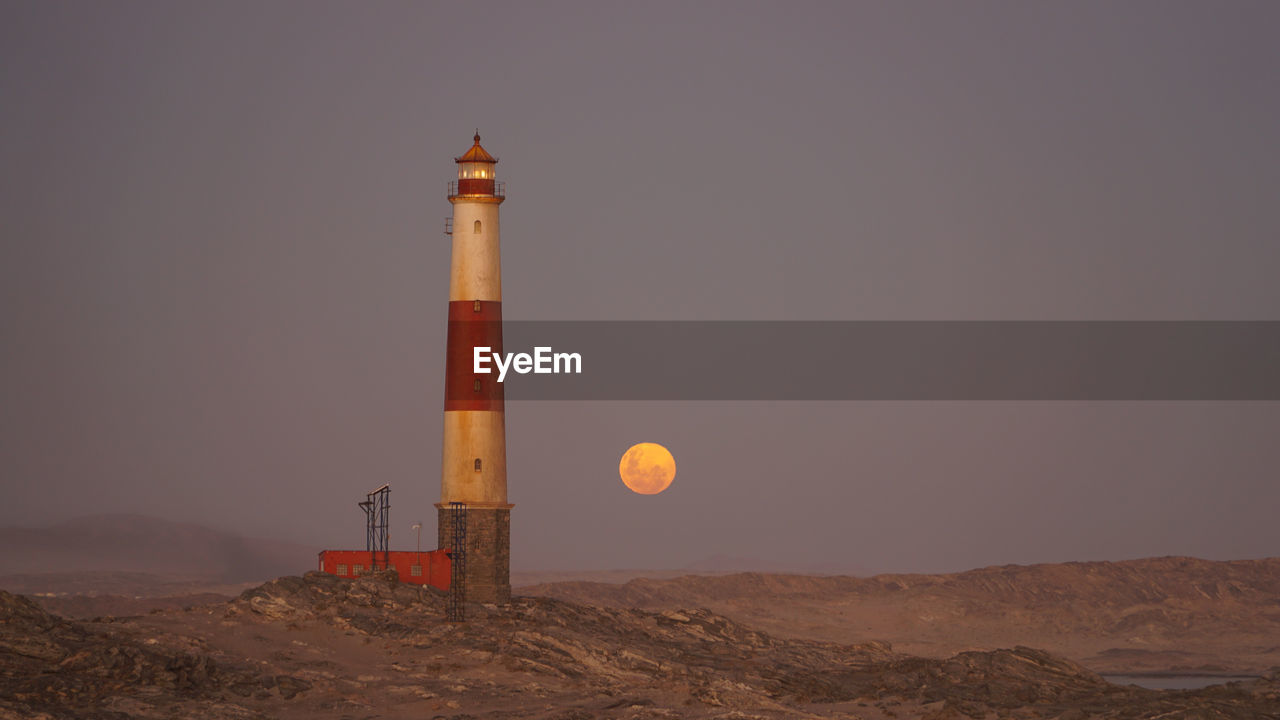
x=476, y=154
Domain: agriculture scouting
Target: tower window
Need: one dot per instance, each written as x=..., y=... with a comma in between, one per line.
x=476, y=307
x=477, y=226
x=477, y=464
x=477, y=390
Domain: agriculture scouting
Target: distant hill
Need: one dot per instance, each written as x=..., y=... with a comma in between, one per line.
x=711, y=565
x=140, y=555
x=1120, y=583
x=1172, y=613
x=735, y=563
x=613, y=577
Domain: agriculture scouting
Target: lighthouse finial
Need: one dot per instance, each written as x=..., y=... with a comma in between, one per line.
x=477, y=137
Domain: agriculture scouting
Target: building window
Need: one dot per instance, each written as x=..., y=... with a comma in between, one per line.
x=357, y=569
x=477, y=386
x=477, y=226
x=415, y=570
x=477, y=464
x=342, y=568
x=476, y=307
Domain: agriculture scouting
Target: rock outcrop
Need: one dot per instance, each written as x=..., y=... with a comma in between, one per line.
x=50, y=667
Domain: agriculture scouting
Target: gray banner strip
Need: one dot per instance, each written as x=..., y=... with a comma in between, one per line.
x=901, y=360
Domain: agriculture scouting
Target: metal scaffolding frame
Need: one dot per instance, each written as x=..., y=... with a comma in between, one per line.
x=377, y=511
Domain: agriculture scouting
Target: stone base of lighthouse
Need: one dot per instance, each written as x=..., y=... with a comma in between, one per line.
x=488, y=573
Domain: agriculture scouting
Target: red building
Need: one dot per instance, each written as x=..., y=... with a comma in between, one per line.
x=418, y=568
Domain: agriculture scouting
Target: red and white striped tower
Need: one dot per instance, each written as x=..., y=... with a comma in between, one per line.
x=474, y=469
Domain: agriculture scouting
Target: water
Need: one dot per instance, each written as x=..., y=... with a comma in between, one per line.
x=1175, y=682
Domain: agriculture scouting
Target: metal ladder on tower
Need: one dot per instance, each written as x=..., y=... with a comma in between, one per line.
x=455, y=609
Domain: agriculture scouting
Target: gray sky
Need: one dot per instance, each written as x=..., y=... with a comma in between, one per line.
x=223, y=280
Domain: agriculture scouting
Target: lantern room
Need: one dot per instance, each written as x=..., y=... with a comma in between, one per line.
x=476, y=174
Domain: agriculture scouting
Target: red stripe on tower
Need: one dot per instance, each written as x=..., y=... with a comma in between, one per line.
x=475, y=324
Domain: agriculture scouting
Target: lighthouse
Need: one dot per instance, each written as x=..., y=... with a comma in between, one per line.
x=473, y=509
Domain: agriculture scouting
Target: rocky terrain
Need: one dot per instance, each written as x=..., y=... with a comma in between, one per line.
x=321, y=646
x=1159, y=615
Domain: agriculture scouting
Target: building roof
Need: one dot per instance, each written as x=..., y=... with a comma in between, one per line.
x=476, y=154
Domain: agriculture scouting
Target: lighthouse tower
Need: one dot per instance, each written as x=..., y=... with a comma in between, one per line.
x=474, y=469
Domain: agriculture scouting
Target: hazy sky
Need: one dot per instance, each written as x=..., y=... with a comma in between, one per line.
x=223, y=279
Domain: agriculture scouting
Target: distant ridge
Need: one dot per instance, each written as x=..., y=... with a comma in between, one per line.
x=1121, y=582
x=734, y=563
x=142, y=550
x=711, y=565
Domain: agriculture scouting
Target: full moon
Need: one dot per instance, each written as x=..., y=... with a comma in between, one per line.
x=647, y=468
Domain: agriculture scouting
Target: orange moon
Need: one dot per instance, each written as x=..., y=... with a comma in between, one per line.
x=647, y=468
